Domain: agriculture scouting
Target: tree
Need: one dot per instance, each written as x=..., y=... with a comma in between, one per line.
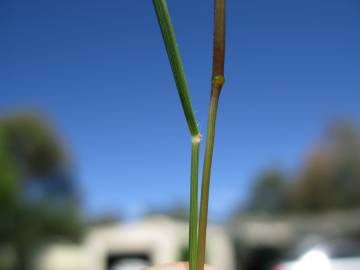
x=329, y=180
x=269, y=193
x=37, y=193
x=331, y=177
x=176, y=211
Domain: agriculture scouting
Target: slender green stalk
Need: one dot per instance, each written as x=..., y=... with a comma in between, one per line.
x=168, y=34
x=193, y=219
x=206, y=181
x=216, y=86
x=180, y=80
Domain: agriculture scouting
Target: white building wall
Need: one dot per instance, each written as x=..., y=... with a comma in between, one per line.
x=161, y=238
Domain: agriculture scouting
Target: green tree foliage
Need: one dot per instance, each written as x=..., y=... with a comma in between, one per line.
x=38, y=199
x=268, y=193
x=33, y=145
x=329, y=180
x=331, y=177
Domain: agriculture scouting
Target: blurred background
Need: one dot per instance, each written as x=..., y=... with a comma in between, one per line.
x=94, y=150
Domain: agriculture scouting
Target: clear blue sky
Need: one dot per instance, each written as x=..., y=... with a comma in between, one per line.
x=98, y=70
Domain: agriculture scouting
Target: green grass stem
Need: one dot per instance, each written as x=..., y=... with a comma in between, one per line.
x=173, y=53
x=216, y=86
x=193, y=218
x=206, y=182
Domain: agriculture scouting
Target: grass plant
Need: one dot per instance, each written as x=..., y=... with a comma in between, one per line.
x=197, y=232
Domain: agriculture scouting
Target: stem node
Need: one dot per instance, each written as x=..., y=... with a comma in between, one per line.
x=196, y=139
x=218, y=81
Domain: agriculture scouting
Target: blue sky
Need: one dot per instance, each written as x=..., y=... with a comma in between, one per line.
x=98, y=70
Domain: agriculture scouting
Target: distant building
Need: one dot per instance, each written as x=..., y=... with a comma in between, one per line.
x=133, y=246
x=249, y=242
x=260, y=240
